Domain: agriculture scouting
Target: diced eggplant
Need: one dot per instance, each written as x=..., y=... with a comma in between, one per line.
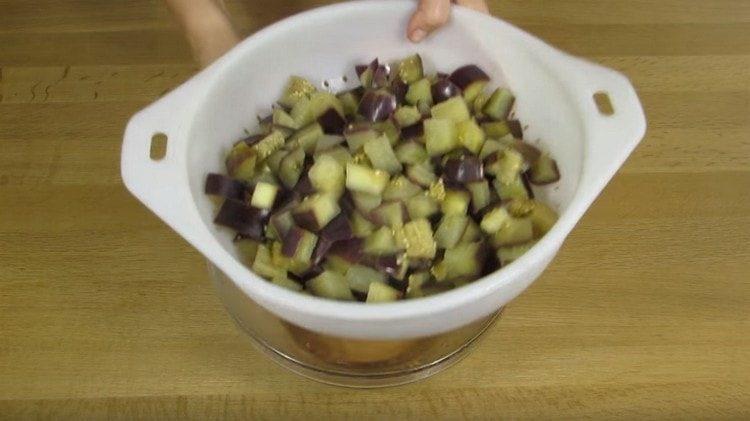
x=283, y=119
x=464, y=76
x=299, y=244
x=494, y=220
x=489, y=147
x=480, y=100
x=421, y=206
x=542, y=218
x=453, y=109
x=296, y=89
x=366, y=202
x=381, y=155
x=470, y=135
x=380, y=76
x=400, y=188
x=361, y=226
x=336, y=264
x=332, y=122
x=530, y=152
x=472, y=233
x=381, y=242
x=349, y=101
x=437, y=190
x=282, y=221
x=513, y=231
x=366, y=73
x=544, y=171
x=440, y=136
x=316, y=211
x=263, y=265
x=290, y=168
x=480, y=195
x=496, y=129
x=399, y=89
x=499, y=104
x=422, y=173
x=327, y=142
x=415, y=131
x=450, y=230
x=349, y=250
x=508, y=254
x=411, y=153
x=246, y=220
x=392, y=214
x=283, y=281
x=419, y=240
x=304, y=186
x=515, y=129
x=377, y=105
x=406, y=115
x=357, y=135
x=320, y=102
x=462, y=262
x=471, y=92
x=419, y=91
x=264, y=195
x=223, y=186
x=381, y=293
x=395, y=265
x=274, y=160
x=444, y=89
x=364, y=179
x=415, y=282
x=506, y=165
x=410, y=69
x=331, y=285
x=339, y=229
x=516, y=189
x=360, y=277
x=339, y=153
x=464, y=169
x=241, y=161
x=327, y=176
x=455, y=202
x=306, y=137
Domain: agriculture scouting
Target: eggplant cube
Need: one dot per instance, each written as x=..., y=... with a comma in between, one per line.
x=419, y=240
x=363, y=179
x=316, y=211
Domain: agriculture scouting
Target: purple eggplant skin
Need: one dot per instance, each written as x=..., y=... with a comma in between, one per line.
x=527, y=183
x=491, y=264
x=221, y=185
x=530, y=152
x=444, y=89
x=399, y=89
x=390, y=264
x=360, y=68
x=246, y=220
x=338, y=229
x=515, y=128
x=359, y=296
x=349, y=250
x=347, y=203
x=441, y=75
x=332, y=122
x=304, y=186
x=291, y=241
x=466, y=75
x=380, y=76
x=462, y=170
x=377, y=105
x=415, y=130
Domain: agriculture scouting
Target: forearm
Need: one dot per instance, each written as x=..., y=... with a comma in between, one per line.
x=207, y=27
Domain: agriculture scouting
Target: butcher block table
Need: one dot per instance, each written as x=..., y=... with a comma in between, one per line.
x=105, y=313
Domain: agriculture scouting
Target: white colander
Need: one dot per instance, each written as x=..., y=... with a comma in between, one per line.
x=205, y=115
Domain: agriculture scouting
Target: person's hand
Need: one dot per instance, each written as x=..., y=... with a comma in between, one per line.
x=432, y=14
x=207, y=28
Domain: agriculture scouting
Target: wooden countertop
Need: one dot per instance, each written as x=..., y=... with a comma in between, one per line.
x=106, y=313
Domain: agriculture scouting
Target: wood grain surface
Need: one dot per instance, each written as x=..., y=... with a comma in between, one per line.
x=105, y=313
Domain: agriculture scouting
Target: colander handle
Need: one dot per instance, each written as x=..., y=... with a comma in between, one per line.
x=162, y=184
x=613, y=137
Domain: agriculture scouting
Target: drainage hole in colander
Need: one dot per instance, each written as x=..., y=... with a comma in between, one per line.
x=158, y=146
x=603, y=103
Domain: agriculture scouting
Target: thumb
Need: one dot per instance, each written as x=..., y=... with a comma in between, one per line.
x=430, y=15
